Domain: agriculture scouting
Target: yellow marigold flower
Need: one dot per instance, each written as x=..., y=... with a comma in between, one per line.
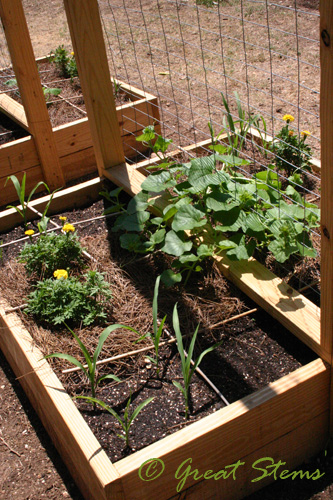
x=288, y=118
x=62, y=218
x=72, y=53
x=29, y=232
x=304, y=133
x=68, y=227
x=60, y=273
x=291, y=132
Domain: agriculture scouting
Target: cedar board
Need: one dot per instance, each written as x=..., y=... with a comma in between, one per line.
x=275, y=421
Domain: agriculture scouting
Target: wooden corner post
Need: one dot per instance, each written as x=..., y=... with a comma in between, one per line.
x=326, y=127
x=90, y=55
x=28, y=81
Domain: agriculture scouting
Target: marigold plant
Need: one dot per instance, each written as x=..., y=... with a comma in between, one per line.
x=51, y=251
x=292, y=153
x=71, y=300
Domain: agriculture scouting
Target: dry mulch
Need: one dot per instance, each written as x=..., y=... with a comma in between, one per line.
x=248, y=338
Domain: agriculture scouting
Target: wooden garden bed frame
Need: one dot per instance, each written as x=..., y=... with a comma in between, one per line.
x=72, y=142
x=289, y=420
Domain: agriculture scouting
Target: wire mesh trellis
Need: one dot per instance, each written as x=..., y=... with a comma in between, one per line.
x=242, y=62
x=261, y=57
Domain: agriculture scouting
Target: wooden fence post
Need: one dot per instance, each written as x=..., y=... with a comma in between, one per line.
x=326, y=127
x=26, y=72
x=90, y=54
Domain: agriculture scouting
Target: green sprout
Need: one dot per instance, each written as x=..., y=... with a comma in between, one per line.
x=127, y=420
x=187, y=369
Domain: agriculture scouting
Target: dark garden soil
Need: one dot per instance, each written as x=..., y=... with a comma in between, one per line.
x=254, y=352
x=67, y=107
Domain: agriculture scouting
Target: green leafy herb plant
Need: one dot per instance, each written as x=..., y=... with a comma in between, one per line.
x=62, y=300
x=187, y=368
x=125, y=421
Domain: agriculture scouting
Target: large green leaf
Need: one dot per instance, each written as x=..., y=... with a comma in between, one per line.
x=232, y=160
x=170, y=278
x=218, y=201
x=138, y=203
x=175, y=245
x=158, y=181
x=131, y=242
x=157, y=237
x=244, y=250
x=231, y=220
x=282, y=249
x=133, y=222
x=188, y=218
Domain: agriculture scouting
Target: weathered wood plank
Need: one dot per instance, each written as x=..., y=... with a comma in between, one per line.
x=326, y=130
x=87, y=37
x=14, y=110
x=290, y=449
x=26, y=72
x=80, y=450
x=247, y=429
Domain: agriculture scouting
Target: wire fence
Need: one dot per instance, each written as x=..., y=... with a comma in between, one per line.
x=243, y=64
x=230, y=67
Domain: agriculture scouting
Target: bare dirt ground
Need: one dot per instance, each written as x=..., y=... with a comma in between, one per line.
x=30, y=468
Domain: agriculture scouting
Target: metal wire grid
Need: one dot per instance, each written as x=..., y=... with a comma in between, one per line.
x=187, y=54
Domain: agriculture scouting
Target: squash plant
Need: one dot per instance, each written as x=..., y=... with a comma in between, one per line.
x=208, y=196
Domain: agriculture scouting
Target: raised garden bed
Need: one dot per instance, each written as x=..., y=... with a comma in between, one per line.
x=275, y=421
x=73, y=140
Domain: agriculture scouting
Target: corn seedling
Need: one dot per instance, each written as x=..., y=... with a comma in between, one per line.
x=117, y=87
x=157, y=329
x=127, y=420
x=187, y=369
x=20, y=191
x=90, y=371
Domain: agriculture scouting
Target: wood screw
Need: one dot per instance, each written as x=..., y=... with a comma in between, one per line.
x=326, y=38
x=326, y=233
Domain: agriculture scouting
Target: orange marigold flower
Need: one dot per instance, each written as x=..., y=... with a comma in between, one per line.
x=60, y=273
x=291, y=132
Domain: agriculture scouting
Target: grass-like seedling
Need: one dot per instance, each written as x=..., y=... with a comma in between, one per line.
x=20, y=191
x=91, y=370
x=187, y=369
x=157, y=329
x=127, y=419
